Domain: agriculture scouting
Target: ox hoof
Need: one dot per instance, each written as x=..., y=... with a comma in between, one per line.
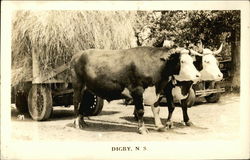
x=20, y=117
x=161, y=128
x=80, y=124
x=169, y=124
x=143, y=130
x=189, y=124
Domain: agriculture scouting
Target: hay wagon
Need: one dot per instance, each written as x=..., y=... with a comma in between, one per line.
x=38, y=95
x=55, y=36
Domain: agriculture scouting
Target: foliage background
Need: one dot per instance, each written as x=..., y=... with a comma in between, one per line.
x=211, y=27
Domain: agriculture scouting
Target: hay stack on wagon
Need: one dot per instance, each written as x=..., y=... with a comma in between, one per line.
x=54, y=36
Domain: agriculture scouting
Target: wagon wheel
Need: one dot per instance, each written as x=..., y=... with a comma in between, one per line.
x=214, y=97
x=21, y=102
x=40, y=102
x=190, y=100
x=92, y=104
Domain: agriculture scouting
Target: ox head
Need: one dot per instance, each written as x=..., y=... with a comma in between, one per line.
x=180, y=65
x=210, y=67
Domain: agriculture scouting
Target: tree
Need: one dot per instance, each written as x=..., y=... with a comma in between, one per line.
x=156, y=26
x=214, y=27
x=211, y=27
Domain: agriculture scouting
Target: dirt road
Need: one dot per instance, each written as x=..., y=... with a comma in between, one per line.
x=219, y=121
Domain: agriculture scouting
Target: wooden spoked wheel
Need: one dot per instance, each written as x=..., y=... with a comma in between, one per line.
x=40, y=102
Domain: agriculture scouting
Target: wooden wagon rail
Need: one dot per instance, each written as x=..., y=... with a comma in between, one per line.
x=202, y=93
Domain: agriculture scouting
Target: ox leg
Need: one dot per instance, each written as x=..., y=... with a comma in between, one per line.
x=76, y=100
x=185, y=115
x=137, y=95
x=79, y=121
x=156, y=112
x=135, y=114
x=171, y=107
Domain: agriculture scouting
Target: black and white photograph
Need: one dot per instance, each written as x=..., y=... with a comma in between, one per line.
x=125, y=80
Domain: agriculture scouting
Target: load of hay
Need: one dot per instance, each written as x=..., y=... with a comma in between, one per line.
x=54, y=36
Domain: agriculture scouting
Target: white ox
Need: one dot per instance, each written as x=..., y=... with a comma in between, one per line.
x=210, y=71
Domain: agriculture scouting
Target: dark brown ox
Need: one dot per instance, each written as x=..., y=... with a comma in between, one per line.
x=118, y=74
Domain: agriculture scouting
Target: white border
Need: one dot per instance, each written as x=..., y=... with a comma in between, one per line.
x=158, y=150
x=128, y=5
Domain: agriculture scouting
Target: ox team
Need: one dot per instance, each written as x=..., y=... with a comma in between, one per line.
x=207, y=64
x=119, y=74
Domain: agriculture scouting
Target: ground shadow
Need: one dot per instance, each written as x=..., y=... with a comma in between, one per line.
x=198, y=102
x=110, y=126
x=106, y=126
x=69, y=114
x=147, y=120
x=108, y=112
x=62, y=115
x=57, y=114
x=150, y=122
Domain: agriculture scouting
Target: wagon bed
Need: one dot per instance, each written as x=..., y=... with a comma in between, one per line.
x=38, y=95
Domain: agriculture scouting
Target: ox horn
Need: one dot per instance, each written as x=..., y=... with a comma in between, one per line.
x=219, y=50
x=195, y=53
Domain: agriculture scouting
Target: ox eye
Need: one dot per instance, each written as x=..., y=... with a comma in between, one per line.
x=182, y=61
